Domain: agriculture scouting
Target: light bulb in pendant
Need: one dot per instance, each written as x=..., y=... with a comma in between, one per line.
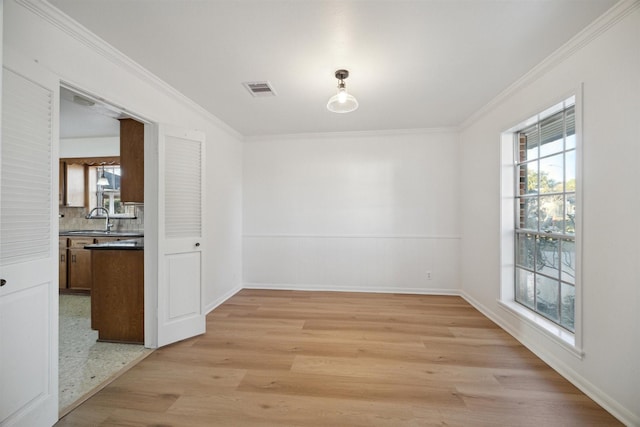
x=342, y=102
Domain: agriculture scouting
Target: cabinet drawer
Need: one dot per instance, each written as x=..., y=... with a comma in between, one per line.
x=80, y=242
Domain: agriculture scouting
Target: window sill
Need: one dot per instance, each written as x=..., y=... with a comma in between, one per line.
x=561, y=336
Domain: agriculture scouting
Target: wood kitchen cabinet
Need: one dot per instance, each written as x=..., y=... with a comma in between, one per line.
x=117, y=297
x=79, y=263
x=131, y=161
x=75, y=266
x=62, y=260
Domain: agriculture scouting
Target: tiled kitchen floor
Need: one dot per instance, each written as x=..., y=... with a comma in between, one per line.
x=85, y=364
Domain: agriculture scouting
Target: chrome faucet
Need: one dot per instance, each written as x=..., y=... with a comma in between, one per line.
x=107, y=224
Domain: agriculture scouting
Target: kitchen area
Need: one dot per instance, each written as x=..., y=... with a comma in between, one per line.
x=101, y=245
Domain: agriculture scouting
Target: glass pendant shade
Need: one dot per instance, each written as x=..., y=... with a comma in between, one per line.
x=342, y=102
x=103, y=180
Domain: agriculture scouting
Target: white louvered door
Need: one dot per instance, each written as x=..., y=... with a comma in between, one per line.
x=180, y=244
x=28, y=253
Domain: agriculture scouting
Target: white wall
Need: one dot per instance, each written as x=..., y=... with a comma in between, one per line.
x=366, y=212
x=609, y=66
x=90, y=147
x=102, y=73
x=377, y=211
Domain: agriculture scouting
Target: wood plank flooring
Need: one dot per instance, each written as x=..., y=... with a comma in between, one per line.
x=284, y=358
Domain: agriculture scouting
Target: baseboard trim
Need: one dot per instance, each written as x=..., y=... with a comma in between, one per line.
x=601, y=398
x=218, y=301
x=333, y=288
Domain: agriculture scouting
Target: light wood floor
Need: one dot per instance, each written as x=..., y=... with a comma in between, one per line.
x=282, y=358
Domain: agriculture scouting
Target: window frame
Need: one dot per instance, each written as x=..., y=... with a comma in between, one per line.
x=509, y=218
x=98, y=193
x=546, y=232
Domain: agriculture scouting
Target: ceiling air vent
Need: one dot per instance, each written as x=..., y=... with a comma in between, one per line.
x=259, y=88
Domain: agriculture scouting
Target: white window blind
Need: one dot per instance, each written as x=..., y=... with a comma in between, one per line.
x=183, y=187
x=25, y=204
x=551, y=128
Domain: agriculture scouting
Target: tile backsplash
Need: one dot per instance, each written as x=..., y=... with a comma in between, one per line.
x=74, y=219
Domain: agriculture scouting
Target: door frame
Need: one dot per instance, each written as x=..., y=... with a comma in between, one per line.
x=152, y=208
x=151, y=230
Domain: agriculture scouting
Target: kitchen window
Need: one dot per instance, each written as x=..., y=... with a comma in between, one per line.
x=106, y=192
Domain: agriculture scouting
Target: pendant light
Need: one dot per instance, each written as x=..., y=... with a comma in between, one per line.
x=103, y=181
x=342, y=102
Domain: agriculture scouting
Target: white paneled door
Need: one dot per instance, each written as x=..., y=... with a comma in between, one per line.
x=180, y=239
x=28, y=249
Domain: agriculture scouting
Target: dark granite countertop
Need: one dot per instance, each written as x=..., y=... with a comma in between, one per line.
x=100, y=233
x=127, y=245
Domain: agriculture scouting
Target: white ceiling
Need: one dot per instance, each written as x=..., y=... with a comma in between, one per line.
x=413, y=64
x=83, y=121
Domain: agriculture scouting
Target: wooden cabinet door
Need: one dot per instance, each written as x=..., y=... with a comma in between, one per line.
x=79, y=269
x=62, y=261
x=131, y=161
x=79, y=263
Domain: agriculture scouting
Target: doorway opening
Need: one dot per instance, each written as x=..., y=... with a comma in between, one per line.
x=99, y=145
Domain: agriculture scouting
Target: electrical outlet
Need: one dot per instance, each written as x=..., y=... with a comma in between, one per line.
x=428, y=275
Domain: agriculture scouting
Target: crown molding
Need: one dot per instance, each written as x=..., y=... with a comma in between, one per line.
x=580, y=40
x=350, y=134
x=74, y=29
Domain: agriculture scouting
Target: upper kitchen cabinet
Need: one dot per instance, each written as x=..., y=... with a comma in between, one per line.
x=131, y=161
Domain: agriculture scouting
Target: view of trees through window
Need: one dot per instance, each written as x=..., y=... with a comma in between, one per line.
x=106, y=195
x=545, y=210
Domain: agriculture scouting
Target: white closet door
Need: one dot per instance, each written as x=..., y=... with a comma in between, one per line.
x=28, y=249
x=181, y=167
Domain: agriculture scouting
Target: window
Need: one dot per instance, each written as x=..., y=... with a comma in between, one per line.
x=545, y=209
x=106, y=195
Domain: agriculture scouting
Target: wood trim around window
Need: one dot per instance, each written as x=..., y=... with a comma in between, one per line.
x=93, y=161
